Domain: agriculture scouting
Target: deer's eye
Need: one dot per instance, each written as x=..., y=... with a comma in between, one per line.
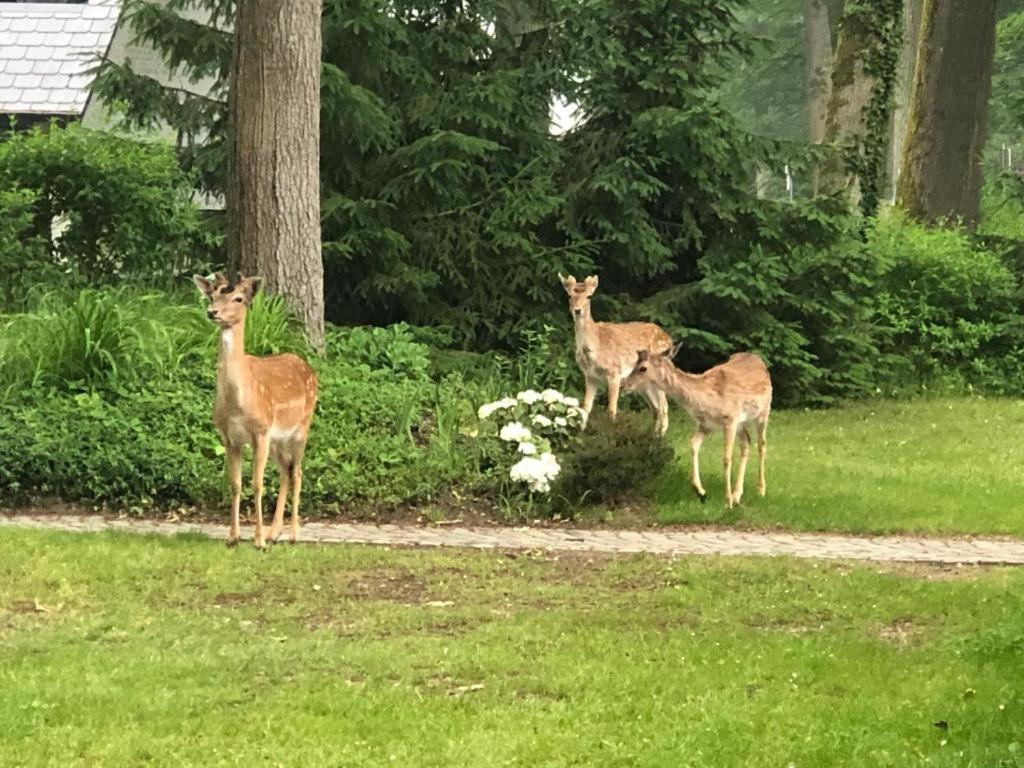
x=238, y=299
x=643, y=369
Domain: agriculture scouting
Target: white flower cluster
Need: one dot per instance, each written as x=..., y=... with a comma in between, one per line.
x=537, y=472
x=535, y=420
x=486, y=411
x=514, y=432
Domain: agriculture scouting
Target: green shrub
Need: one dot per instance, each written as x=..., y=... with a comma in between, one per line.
x=100, y=339
x=155, y=443
x=127, y=204
x=611, y=461
x=22, y=255
x=106, y=338
x=793, y=284
x=374, y=440
x=948, y=308
x=393, y=348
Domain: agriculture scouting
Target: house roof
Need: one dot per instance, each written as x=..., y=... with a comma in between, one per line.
x=46, y=50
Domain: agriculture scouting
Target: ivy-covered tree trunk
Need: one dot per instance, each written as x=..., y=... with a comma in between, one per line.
x=941, y=170
x=273, y=192
x=904, y=80
x=860, y=100
x=818, y=48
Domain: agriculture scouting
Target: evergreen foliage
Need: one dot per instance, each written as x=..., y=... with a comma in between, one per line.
x=448, y=203
x=120, y=208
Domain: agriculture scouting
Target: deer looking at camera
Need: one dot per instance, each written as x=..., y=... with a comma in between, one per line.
x=606, y=352
x=265, y=402
x=729, y=396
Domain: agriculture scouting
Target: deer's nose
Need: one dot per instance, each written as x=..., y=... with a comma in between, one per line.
x=578, y=312
x=212, y=314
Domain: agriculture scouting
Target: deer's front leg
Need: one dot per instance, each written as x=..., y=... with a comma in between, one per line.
x=659, y=402
x=613, y=396
x=589, y=393
x=695, y=443
x=234, y=459
x=260, y=451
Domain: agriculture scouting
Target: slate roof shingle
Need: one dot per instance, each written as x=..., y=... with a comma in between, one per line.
x=45, y=51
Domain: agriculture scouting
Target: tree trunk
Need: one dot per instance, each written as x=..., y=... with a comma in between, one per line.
x=849, y=95
x=273, y=190
x=818, y=48
x=941, y=174
x=901, y=109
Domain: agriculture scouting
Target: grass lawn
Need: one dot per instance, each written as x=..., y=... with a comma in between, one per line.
x=119, y=650
x=936, y=466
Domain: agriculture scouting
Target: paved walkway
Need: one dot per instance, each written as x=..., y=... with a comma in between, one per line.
x=695, y=542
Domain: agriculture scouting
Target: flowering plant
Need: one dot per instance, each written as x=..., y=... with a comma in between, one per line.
x=537, y=424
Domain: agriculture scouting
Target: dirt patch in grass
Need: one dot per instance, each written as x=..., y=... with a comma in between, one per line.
x=903, y=632
x=26, y=606
x=231, y=599
x=934, y=571
x=392, y=584
x=812, y=621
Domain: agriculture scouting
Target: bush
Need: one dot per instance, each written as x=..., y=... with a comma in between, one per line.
x=22, y=256
x=393, y=348
x=374, y=439
x=126, y=205
x=108, y=397
x=947, y=308
x=152, y=444
x=611, y=461
x=101, y=339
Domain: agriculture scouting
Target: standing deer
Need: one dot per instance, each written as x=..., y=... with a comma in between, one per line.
x=728, y=396
x=606, y=352
x=265, y=402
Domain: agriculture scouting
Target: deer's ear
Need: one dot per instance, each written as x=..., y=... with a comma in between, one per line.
x=567, y=282
x=672, y=351
x=641, y=355
x=205, y=285
x=251, y=285
x=591, y=283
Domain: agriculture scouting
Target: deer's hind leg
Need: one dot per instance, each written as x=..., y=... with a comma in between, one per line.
x=762, y=452
x=730, y=440
x=296, y=470
x=741, y=470
x=284, y=464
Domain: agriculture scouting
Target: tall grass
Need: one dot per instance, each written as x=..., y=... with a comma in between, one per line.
x=97, y=339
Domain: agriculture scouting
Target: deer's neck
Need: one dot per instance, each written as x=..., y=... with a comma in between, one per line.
x=232, y=368
x=690, y=390
x=585, y=327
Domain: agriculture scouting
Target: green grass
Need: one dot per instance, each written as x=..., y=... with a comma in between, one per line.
x=935, y=466
x=118, y=650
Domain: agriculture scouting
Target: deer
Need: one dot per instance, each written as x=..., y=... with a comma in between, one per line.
x=606, y=352
x=265, y=402
x=730, y=395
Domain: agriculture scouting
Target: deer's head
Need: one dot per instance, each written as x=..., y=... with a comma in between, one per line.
x=650, y=369
x=229, y=300
x=579, y=293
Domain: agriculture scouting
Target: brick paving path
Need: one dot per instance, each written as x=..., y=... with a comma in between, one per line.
x=693, y=542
